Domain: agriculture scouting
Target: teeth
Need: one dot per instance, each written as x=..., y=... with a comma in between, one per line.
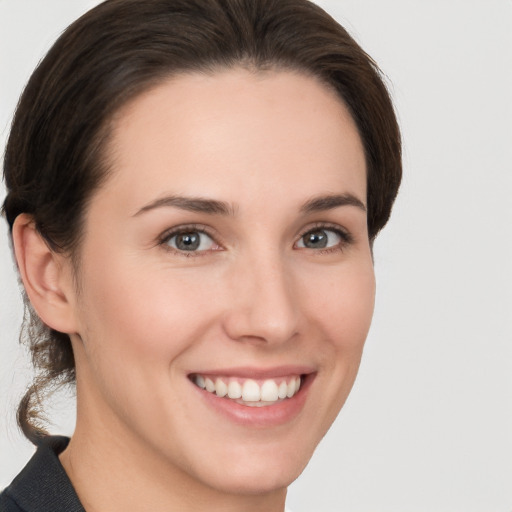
x=220, y=388
x=249, y=392
x=283, y=389
x=210, y=386
x=269, y=391
x=256, y=404
x=289, y=392
x=200, y=381
x=234, y=389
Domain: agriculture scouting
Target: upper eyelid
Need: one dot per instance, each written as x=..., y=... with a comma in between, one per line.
x=326, y=225
x=212, y=233
x=200, y=228
x=167, y=235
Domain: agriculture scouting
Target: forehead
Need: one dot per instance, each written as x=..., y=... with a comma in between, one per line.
x=234, y=134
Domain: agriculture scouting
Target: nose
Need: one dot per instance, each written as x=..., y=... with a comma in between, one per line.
x=262, y=306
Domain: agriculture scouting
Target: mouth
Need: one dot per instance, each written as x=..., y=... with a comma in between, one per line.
x=255, y=398
x=250, y=392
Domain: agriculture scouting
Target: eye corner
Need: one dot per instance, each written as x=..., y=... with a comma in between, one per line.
x=195, y=241
x=324, y=238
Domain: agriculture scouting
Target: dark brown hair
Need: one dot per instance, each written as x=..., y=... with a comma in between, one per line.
x=54, y=157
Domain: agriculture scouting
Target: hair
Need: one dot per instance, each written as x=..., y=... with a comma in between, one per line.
x=56, y=159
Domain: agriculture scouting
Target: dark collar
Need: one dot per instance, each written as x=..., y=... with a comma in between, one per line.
x=43, y=485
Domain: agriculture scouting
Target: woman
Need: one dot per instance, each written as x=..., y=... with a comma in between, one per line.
x=194, y=188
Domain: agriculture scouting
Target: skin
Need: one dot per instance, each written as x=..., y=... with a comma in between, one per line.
x=147, y=315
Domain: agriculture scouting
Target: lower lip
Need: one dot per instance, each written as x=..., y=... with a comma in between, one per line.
x=263, y=417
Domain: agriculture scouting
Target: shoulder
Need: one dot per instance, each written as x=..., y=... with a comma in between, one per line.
x=7, y=504
x=42, y=485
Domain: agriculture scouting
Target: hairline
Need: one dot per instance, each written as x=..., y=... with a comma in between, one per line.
x=105, y=134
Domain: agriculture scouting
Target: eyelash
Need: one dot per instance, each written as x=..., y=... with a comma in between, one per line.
x=190, y=228
x=346, y=238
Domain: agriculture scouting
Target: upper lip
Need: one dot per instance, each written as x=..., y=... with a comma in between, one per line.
x=248, y=372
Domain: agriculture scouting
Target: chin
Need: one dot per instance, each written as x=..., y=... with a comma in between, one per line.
x=252, y=480
x=258, y=471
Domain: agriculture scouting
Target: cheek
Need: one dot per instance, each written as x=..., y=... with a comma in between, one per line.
x=146, y=315
x=344, y=305
x=344, y=313
x=134, y=330
x=339, y=315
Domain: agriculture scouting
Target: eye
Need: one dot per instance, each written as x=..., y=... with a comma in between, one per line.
x=190, y=241
x=321, y=238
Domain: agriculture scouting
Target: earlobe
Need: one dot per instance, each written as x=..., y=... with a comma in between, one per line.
x=46, y=276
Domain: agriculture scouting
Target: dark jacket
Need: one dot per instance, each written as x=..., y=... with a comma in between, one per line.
x=42, y=485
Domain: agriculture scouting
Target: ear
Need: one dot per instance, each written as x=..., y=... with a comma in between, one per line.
x=47, y=276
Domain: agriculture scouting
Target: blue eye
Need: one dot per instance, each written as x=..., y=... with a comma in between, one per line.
x=320, y=238
x=190, y=241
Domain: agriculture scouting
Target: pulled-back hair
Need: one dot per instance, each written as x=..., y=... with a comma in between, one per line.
x=55, y=156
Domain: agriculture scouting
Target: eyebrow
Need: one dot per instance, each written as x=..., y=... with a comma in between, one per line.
x=331, y=201
x=191, y=204
x=215, y=207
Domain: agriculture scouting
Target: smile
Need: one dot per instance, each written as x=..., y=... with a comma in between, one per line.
x=250, y=392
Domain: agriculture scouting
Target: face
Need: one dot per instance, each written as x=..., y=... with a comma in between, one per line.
x=226, y=278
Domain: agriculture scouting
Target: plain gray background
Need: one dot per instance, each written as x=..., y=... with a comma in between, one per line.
x=428, y=427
